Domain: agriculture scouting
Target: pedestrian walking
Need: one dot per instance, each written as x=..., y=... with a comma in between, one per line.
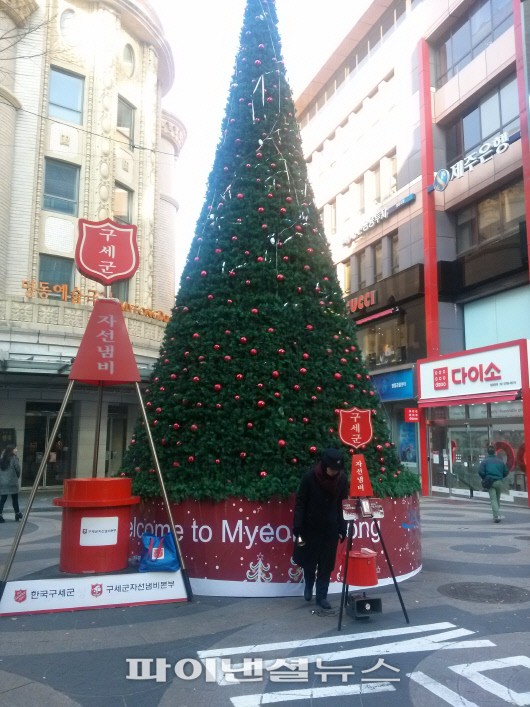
x=9, y=480
x=492, y=471
x=318, y=523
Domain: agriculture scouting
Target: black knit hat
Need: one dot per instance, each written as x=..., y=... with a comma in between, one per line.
x=332, y=458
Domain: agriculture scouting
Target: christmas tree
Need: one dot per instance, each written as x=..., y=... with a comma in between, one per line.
x=259, y=355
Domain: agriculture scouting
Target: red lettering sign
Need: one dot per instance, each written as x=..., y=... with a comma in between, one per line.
x=367, y=299
x=475, y=373
x=412, y=414
x=105, y=354
x=360, y=484
x=106, y=251
x=355, y=427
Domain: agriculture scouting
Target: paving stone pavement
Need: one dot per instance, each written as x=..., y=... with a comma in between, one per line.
x=469, y=606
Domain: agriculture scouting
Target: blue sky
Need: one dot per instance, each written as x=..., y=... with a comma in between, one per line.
x=204, y=36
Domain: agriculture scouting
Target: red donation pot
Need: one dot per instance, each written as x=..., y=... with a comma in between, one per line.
x=96, y=524
x=362, y=568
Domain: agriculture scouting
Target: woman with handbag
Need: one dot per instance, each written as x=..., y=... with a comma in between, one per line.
x=319, y=524
x=492, y=471
x=9, y=480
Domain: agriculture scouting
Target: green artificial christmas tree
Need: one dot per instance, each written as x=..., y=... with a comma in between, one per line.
x=259, y=355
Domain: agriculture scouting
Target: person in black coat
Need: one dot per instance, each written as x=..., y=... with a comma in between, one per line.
x=318, y=522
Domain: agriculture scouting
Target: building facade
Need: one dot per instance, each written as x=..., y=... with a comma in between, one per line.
x=416, y=136
x=82, y=135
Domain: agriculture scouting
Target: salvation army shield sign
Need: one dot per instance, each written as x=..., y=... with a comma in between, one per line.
x=355, y=427
x=106, y=251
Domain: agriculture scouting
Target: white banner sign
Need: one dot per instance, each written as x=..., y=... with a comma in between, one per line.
x=99, y=531
x=475, y=373
x=92, y=592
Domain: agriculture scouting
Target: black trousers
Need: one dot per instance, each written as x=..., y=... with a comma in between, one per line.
x=14, y=501
x=319, y=565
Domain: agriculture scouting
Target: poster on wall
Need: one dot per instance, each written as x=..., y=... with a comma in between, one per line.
x=407, y=442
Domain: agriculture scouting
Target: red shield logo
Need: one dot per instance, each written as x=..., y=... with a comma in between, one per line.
x=355, y=427
x=96, y=590
x=21, y=595
x=106, y=251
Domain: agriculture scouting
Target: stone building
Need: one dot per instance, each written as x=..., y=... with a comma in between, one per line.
x=82, y=135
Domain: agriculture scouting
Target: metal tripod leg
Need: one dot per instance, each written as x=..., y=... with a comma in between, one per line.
x=391, y=570
x=185, y=576
x=344, y=593
x=20, y=530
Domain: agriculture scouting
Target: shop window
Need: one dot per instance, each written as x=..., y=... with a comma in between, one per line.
x=333, y=218
x=120, y=290
x=128, y=60
x=122, y=204
x=378, y=257
x=394, y=253
x=466, y=229
x=65, y=100
x=489, y=219
x=362, y=269
x=384, y=342
x=61, y=187
x=346, y=277
x=497, y=113
x=483, y=23
x=55, y=272
x=496, y=216
x=125, y=119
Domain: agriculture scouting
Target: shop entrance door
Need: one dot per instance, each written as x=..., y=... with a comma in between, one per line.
x=39, y=422
x=467, y=447
x=116, y=438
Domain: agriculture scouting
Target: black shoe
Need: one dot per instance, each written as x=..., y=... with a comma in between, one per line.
x=324, y=604
x=18, y=516
x=2, y=519
x=308, y=592
x=496, y=520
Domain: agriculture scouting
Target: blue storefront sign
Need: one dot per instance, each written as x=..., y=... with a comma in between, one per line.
x=395, y=385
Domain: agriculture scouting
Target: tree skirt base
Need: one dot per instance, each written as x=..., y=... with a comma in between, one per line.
x=243, y=548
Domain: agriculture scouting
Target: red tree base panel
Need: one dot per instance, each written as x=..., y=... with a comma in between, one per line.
x=244, y=548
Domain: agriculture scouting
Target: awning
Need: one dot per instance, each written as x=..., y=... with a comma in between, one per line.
x=494, y=397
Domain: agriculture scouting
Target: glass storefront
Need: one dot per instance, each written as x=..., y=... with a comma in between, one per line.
x=39, y=421
x=458, y=438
